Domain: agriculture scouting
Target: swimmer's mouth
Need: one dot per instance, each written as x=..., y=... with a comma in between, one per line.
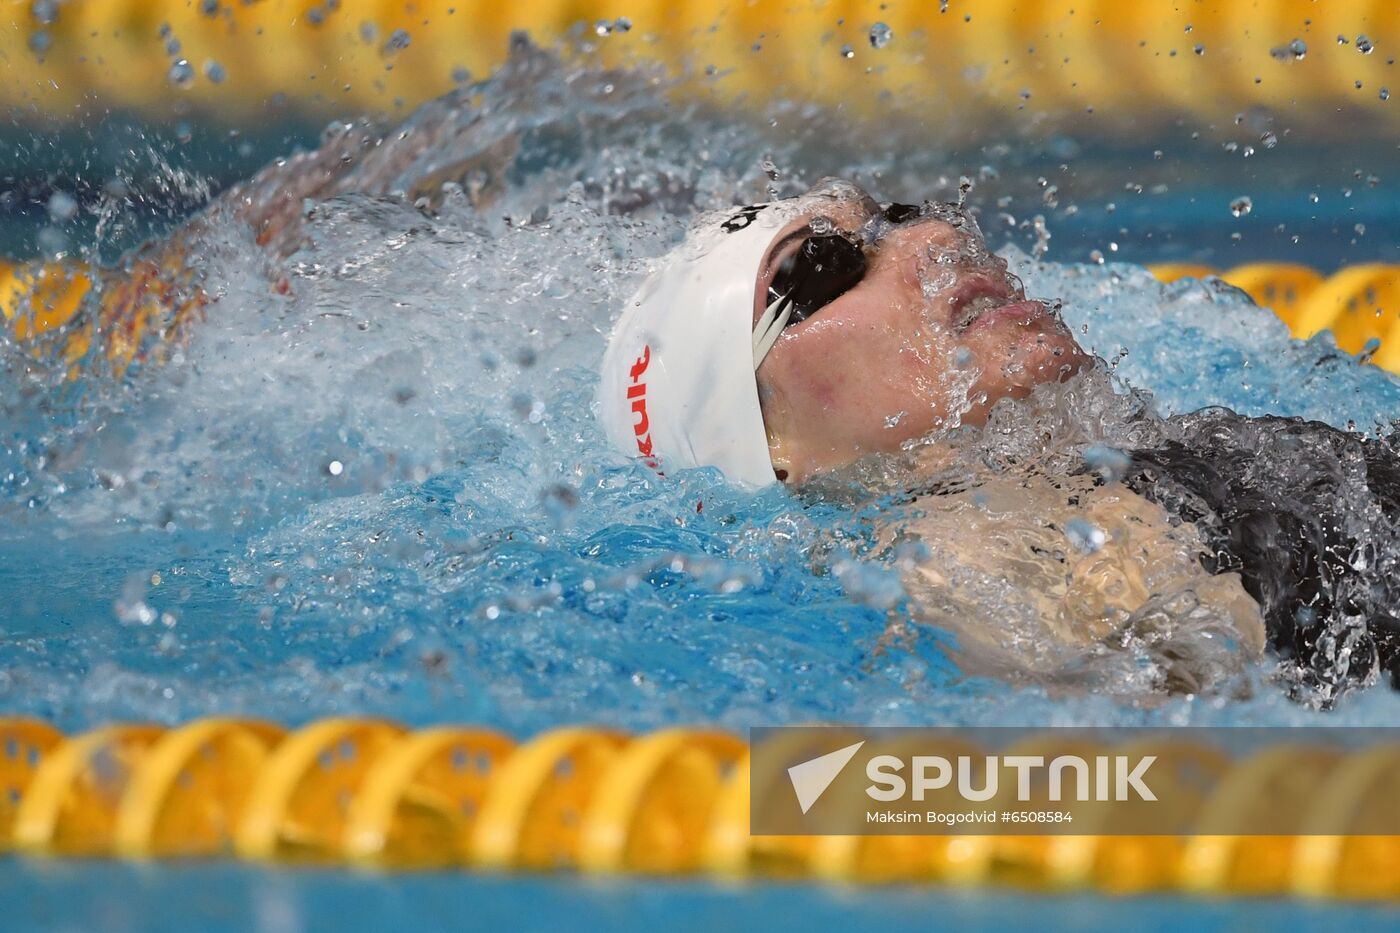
x=977, y=296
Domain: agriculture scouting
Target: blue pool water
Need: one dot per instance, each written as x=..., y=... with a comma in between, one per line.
x=384, y=493
x=232, y=899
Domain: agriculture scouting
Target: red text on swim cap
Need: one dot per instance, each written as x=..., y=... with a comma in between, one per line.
x=637, y=392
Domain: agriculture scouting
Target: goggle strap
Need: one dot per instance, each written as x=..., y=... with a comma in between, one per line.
x=770, y=327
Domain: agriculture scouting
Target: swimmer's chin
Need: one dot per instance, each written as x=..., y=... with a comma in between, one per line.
x=796, y=466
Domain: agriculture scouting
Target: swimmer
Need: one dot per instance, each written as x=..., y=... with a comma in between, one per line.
x=802, y=341
x=799, y=340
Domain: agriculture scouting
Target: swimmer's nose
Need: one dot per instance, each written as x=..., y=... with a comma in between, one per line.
x=924, y=237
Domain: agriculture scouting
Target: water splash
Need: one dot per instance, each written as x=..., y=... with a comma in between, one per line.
x=479, y=554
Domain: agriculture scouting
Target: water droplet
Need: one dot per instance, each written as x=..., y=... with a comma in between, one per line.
x=214, y=72
x=1084, y=537
x=1241, y=206
x=1364, y=46
x=880, y=35
x=45, y=11
x=398, y=40
x=181, y=73
x=847, y=51
x=52, y=242
x=62, y=207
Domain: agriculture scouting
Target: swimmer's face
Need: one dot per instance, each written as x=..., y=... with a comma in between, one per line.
x=933, y=335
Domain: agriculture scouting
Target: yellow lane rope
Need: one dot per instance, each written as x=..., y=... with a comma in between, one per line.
x=1357, y=304
x=674, y=802
x=1148, y=60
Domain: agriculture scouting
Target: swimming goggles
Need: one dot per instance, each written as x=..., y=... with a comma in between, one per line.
x=823, y=268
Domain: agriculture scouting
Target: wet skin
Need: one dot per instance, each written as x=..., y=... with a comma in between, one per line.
x=933, y=335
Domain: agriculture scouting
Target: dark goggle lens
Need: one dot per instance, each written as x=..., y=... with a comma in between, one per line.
x=899, y=213
x=822, y=269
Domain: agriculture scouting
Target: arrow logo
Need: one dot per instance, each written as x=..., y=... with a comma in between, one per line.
x=811, y=778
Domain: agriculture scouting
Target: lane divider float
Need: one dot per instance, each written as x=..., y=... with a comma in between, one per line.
x=675, y=802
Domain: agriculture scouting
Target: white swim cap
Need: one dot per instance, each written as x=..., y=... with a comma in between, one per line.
x=678, y=385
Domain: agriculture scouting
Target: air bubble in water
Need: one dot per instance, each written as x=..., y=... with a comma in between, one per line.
x=1385, y=93
x=1269, y=139
x=214, y=72
x=1200, y=49
x=181, y=73
x=847, y=51
x=1241, y=206
x=1364, y=46
x=880, y=35
x=1297, y=50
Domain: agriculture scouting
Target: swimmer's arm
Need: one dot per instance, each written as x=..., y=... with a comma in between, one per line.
x=443, y=142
